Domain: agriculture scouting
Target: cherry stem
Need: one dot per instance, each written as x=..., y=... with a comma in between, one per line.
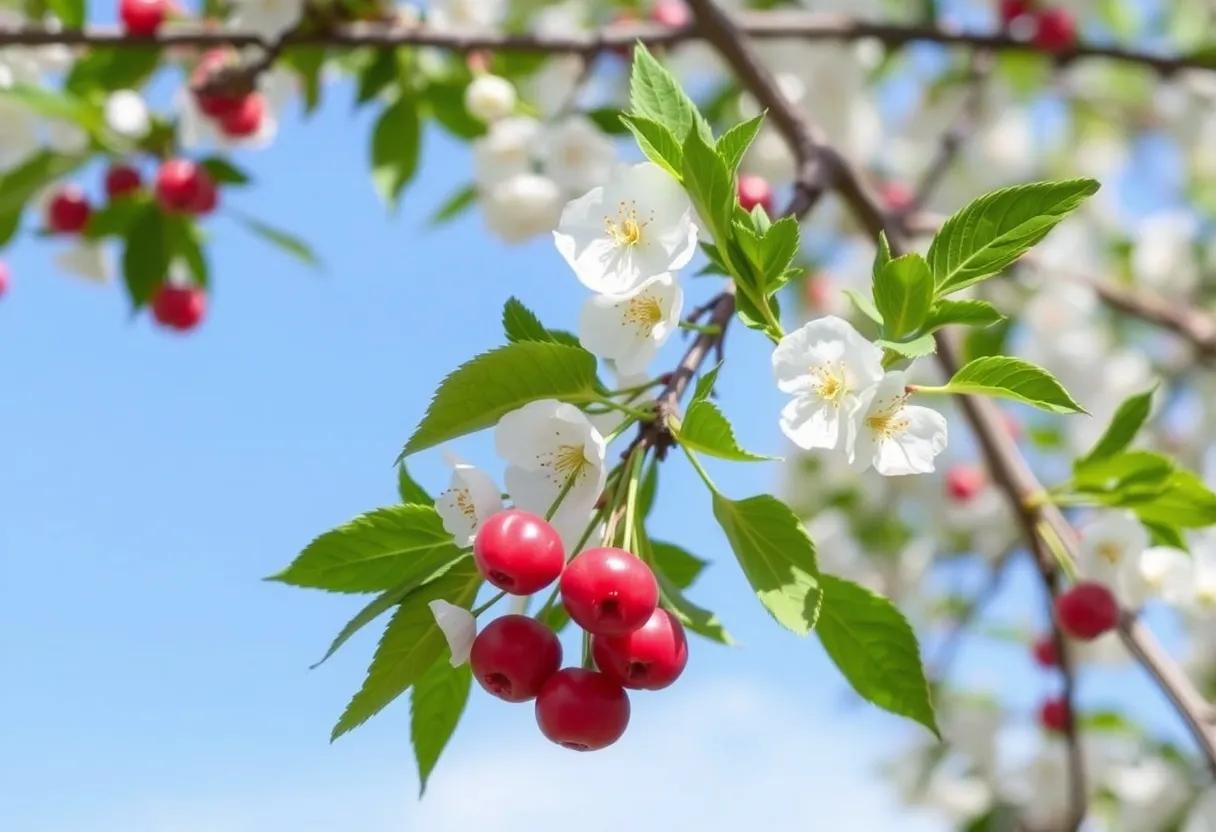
x=636, y=413
x=561, y=495
x=498, y=597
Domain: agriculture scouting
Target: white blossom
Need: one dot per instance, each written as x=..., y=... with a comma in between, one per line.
x=459, y=628
x=18, y=133
x=896, y=437
x=489, y=98
x=66, y=137
x=507, y=149
x=629, y=329
x=470, y=499
x=85, y=259
x=547, y=444
x=638, y=225
x=269, y=18
x=522, y=206
x=1110, y=551
x=826, y=364
x=577, y=155
x=465, y=14
x=126, y=114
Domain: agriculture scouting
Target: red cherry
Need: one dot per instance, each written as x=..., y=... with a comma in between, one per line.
x=518, y=552
x=122, y=180
x=1055, y=30
x=214, y=104
x=818, y=291
x=207, y=197
x=1011, y=10
x=673, y=13
x=246, y=119
x=179, y=307
x=4, y=275
x=582, y=710
x=1053, y=715
x=1045, y=654
x=964, y=482
x=753, y=191
x=142, y=17
x=68, y=211
x=177, y=184
x=514, y=656
x=609, y=592
x=1087, y=610
x=896, y=196
x=650, y=658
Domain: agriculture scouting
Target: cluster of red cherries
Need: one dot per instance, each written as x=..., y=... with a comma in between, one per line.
x=181, y=187
x=608, y=592
x=1050, y=29
x=1084, y=611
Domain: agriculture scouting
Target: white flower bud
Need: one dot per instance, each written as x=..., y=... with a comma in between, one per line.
x=489, y=98
x=127, y=114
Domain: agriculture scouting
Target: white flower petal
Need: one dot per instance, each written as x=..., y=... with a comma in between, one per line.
x=629, y=329
x=87, y=260
x=469, y=501
x=813, y=423
x=545, y=443
x=895, y=437
x=459, y=628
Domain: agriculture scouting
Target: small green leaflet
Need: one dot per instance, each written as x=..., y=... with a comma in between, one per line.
x=656, y=95
x=410, y=489
x=657, y=143
x=479, y=392
x=864, y=305
x=437, y=701
x=903, y=292
x=1012, y=378
x=965, y=312
x=776, y=555
x=224, y=171
x=146, y=254
x=875, y=648
x=1123, y=427
x=374, y=552
x=707, y=431
x=455, y=205
x=996, y=229
x=285, y=241
x=379, y=605
x=733, y=144
x=678, y=564
x=520, y=323
x=411, y=643
x=709, y=184
x=396, y=140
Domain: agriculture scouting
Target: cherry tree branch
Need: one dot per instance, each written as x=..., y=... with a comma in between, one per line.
x=777, y=24
x=1009, y=469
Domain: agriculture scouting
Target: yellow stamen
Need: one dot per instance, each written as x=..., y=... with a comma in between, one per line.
x=625, y=229
x=889, y=422
x=1110, y=552
x=645, y=312
x=832, y=384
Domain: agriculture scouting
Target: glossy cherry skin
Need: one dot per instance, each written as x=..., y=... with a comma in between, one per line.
x=650, y=658
x=753, y=191
x=964, y=482
x=1045, y=653
x=206, y=197
x=68, y=211
x=179, y=307
x=609, y=592
x=518, y=552
x=1053, y=715
x=143, y=17
x=582, y=710
x=122, y=180
x=214, y=104
x=177, y=184
x=1087, y=610
x=1055, y=30
x=514, y=656
x=246, y=119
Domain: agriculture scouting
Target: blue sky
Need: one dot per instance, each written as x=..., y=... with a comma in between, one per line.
x=154, y=682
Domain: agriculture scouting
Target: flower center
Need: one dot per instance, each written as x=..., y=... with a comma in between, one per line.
x=625, y=229
x=832, y=385
x=564, y=463
x=889, y=422
x=464, y=503
x=1110, y=552
x=644, y=311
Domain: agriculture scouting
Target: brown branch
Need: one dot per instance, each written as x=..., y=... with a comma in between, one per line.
x=780, y=24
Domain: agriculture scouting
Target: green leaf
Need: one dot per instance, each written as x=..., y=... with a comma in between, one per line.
x=979, y=313
x=733, y=144
x=379, y=605
x=709, y=184
x=903, y=292
x=438, y=700
x=307, y=62
x=1184, y=503
x=608, y=119
x=61, y=106
x=864, y=305
x=1012, y=378
x=374, y=552
x=224, y=171
x=396, y=140
x=146, y=254
x=115, y=217
x=707, y=431
x=655, y=94
x=777, y=556
x=70, y=12
x=705, y=384
x=695, y=619
x=445, y=101
x=455, y=205
x=18, y=185
x=882, y=254
x=1126, y=476
x=409, y=488
x=919, y=346
x=1123, y=427
x=521, y=324
x=778, y=247
x=285, y=241
x=679, y=565
x=494, y=383
x=377, y=74
x=412, y=642
x=657, y=143
x=108, y=68
x=996, y=229
x=876, y=650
